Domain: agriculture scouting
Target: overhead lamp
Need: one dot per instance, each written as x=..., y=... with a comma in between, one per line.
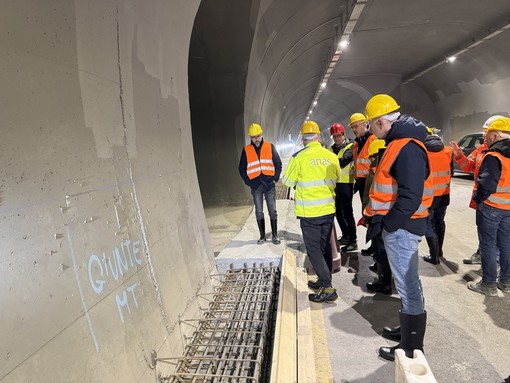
x=315, y=103
x=343, y=43
x=451, y=59
x=323, y=85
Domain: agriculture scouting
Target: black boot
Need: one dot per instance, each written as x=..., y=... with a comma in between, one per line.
x=412, y=328
x=262, y=230
x=383, y=284
x=274, y=231
x=440, y=240
x=413, y=331
x=392, y=333
x=434, y=251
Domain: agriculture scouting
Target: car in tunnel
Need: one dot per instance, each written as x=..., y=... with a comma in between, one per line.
x=468, y=143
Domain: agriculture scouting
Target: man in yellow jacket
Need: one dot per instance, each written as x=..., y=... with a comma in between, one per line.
x=314, y=172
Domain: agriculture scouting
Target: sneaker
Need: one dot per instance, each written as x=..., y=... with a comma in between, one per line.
x=261, y=241
x=483, y=288
x=314, y=285
x=350, y=247
x=475, y=259
x=429, y=259
x=324, y=294
x=504, y=286
x=275, y=240
x=343, y=240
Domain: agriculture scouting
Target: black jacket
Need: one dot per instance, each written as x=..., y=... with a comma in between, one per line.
x=347, y=156
x=410, y=169
x=490, y=171
x=267, y=181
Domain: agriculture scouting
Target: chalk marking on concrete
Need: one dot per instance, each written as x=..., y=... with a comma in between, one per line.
x=85, y=309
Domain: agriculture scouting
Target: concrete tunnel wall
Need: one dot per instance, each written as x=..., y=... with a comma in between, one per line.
x=104, y=239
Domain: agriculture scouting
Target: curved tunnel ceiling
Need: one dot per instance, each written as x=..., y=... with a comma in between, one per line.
x=391, y=42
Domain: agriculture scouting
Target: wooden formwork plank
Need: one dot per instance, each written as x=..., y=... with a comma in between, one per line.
x=305, y=349
x=284, y=362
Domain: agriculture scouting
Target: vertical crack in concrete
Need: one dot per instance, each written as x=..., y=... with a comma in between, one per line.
x=135, y=196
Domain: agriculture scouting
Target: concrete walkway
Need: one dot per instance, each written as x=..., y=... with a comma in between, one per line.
x=468, y=334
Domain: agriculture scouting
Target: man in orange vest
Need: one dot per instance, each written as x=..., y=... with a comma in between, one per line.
x=364, y=137
x=472, y=164
x=492, y=198
x=260, y=167
x=440, y=161
x=400, y=195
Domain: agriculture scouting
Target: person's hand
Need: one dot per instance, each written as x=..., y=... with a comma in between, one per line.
x=457, y=151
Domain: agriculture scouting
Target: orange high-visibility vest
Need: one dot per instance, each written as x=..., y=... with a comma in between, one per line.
x=440, y=167
x=256, y=165
x=361, y=161
x=476, y=158
x=472, y=162
x=384, y=189
x=501, y=198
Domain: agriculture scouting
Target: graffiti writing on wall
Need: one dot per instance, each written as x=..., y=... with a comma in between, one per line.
x=111, y=267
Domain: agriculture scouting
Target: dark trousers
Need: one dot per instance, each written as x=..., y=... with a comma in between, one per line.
x=344, y=214
x=493, y=235
x=435, y=221
x=317, y=236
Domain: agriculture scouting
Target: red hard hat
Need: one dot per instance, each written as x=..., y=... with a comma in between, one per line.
x=336, y=128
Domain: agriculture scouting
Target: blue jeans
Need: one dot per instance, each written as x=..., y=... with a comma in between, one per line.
x=494, y=234
x=402, y=250
x=270, y=195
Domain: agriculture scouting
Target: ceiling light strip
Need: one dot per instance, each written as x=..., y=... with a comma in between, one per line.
x=451, y=58
x=343, y=43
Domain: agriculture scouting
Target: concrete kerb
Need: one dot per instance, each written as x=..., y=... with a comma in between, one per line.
x=243, y=250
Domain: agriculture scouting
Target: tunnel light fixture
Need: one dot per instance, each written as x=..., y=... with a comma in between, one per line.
x=343, y=40
x=452, y=57
x=343, y=43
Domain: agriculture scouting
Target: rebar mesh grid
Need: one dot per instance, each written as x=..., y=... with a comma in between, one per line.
x=229, y=344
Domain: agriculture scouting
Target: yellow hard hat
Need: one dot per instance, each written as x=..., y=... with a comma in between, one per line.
x=254, y=130
x=310, y=127
x=375, y=145
x=501, y=125
x=357, y=117
x=379, y=105
x=489, y=121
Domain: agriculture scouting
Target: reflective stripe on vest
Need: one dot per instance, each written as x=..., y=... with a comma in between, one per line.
x=361, y=161
x=263, y=165
x=384, y=189
x=314, y=171
x=440, y=166
x=501, y=198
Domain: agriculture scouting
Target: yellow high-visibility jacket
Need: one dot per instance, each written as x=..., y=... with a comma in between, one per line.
x=314, y=172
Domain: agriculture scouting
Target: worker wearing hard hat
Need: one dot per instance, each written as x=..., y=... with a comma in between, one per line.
x=342, y=147
x=441, y=166
x=314, y=172
x=471, y=164
x=364, y=137
x=260, y=167
x=400, y=195
x=492, y=198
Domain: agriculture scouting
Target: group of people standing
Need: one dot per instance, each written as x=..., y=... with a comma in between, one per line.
x=402, y=171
